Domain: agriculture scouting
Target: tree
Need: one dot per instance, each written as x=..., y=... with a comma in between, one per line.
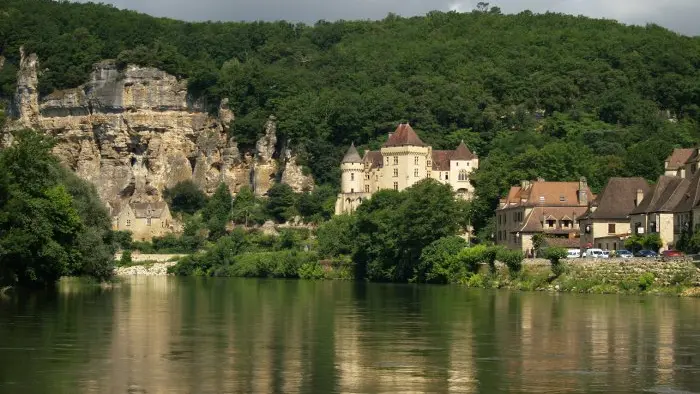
x=45, y=231
x=281, y=201
x=438, y=260
x=217, y=212
x=247, y=209
x=335, y=236
x=185, y=197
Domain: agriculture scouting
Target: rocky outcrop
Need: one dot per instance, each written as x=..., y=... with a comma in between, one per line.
x=294, y=176
x=134, y=132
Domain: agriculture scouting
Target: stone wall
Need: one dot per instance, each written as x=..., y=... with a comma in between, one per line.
x=615, y=271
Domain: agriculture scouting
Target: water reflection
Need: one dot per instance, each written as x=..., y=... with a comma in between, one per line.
x=172, y=335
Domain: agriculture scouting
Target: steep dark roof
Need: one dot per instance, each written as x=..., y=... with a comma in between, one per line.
x=352, y=156
x=463, y=153
x=617, y=199
x=691, y=198
x=375, y=158
x=404, y=136
x=679, y=157
x=664, y=196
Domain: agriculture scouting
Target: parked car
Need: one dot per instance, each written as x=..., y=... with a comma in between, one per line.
x=605, y=255
x=595, y=254
x=624, y=254
x=646, y=254
x=672, y=253
x=573, y=253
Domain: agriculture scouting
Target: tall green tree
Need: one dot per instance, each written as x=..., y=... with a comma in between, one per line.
x=216, y=214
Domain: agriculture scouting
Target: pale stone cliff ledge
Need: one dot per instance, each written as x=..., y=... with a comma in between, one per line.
x=135, y=131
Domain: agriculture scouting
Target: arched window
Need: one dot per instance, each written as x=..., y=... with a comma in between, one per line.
x=463, y=176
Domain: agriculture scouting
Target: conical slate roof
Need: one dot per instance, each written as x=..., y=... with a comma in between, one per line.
x=404, y=136
x=462, y=153
x=352, y=156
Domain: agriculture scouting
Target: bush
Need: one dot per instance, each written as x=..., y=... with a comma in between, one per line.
x=471, y=258
x=477, y=281
x=490, y=255
x=646, y=281
x=126, y=259
x=311, y=271
x=438, y=261
x=513, y=259
x=555, y=255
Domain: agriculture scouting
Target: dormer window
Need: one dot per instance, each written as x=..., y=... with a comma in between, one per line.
x=562, y=198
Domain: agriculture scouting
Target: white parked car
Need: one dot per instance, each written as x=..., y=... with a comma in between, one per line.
x=596, y=254
x=573, y=253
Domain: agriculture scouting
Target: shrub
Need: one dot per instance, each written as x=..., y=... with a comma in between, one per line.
x=646, y=281
x=438, y=263
x=470, y=258
x=513, y=259
x=126, y=260
x=477, y=281
x=555, y=255
x=490, y=255
x=311, y=271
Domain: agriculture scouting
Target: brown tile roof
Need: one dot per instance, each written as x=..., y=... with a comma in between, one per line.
x=404, y=136
x=463, y=153
x=533, y=222
x=149, y=209
x=351, y=156
x=679, y=157
x=694, y=156
x=441, y=160
x=546, y=193
x=664, y=196
x=375, y=159
x=617, y=199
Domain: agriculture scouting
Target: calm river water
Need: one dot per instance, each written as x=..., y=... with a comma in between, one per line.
x=187, y=335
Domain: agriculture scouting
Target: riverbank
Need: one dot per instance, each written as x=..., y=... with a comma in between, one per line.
x=145, y=269
x=612, y=276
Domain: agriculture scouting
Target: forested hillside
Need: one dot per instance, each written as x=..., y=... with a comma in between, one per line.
x=547, y=95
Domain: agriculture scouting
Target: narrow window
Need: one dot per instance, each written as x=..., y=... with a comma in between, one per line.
x=352, y=176
x=396, y=172
x=128, y=223
x=396, y=160
x=611, y=228
x=396, y=186
x=415, y=160
x=463, y=176
x=415, y=173
x=352, y=190
x=148, y=221
x=366, y=188
x=447, y=176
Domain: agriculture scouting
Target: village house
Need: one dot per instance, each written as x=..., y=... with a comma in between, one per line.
x=675, y=165
x=606, y=223
x=143, y=220
x=540, y=207
x=400, y=163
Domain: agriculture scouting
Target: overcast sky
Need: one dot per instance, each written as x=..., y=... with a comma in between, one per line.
x=679, y=15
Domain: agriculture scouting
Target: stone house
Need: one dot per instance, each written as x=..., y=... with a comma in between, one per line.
x=400, y=163
x=540, y=207
x=675, y=165
x=671, y=207
x=606, y=223
x=144, y=220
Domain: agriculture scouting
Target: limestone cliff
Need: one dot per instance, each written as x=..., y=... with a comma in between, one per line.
x=134, y=132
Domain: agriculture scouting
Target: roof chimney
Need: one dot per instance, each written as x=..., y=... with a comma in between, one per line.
x=640, y=197
x=582, y=191
x=524, y=184
x=540, y=179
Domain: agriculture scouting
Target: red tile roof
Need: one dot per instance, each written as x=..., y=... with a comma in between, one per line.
x=374, y=158
x=541, y=193
x=404, y=136
x=441, y=160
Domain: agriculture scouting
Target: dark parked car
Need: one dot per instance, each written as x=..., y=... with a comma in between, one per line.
x=646, y=253
x=672, y=253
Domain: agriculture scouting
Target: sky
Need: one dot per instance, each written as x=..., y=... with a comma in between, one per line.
x=678, y=15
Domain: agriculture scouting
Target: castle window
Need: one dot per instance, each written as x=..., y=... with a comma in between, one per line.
x=430, y=163
x=128, y=223
x=396, y=172
x=396, y=160
x=366, y=188
x=415, y=160
x=352, y=190
x=396, y=186
x=415, y=173
x=447, y=176
x=352, y=176
x=148, y=222
x=463, y=176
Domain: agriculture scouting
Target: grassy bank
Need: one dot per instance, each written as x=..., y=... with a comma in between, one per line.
x=676, y=278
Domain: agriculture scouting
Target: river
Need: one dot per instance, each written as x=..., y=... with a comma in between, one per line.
x=195, y=335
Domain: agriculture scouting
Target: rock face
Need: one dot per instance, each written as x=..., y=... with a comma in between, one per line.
x=135, y=132
x=293, y=174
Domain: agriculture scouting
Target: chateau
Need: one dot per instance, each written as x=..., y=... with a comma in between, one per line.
x=400, y=163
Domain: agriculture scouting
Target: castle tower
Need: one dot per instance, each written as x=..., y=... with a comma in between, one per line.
x=351, y=168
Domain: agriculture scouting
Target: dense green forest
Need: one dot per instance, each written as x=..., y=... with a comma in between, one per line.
x=548, y=95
